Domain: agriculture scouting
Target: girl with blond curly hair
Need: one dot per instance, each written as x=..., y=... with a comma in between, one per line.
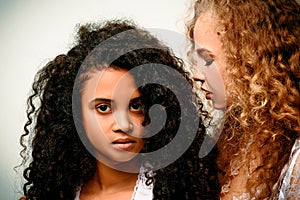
x=247, y=54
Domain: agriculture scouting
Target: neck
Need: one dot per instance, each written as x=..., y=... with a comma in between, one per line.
x=109, y=179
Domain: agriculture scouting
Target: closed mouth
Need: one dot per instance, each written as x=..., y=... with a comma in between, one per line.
x=123, y=141
x=124, y=144
x=207, y=93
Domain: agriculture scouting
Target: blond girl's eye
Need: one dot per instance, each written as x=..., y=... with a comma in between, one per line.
x=209, y=62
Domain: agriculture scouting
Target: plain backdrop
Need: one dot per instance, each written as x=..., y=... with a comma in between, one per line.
x=32, y=32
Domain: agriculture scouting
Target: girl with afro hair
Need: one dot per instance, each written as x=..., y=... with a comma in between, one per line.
x=93, y=129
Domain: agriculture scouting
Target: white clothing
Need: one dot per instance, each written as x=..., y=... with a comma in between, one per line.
x=288, y=184
x=290, y=176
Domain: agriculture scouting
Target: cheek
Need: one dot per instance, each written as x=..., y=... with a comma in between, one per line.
x=138, y=132
x=215, y=75
x=95, y=130
x=137, y=119
x=141, y=143
x=98, y=137
x=222, y=72
x=200, y=65
x=215, y=82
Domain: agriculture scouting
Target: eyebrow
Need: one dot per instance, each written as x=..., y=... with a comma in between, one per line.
x=135, y=99
x=94, y=101
x=105, y=100
x=101, y=99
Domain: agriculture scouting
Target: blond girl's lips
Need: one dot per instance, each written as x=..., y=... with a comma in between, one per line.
x=208, y=95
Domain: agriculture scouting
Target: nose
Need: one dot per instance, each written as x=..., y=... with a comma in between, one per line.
x=122, y=122
x=198, y=75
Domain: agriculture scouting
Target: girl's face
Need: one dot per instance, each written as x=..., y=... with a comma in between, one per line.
x=211, y=62
x=112, y=115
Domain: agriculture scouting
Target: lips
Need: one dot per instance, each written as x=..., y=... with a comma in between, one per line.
x=126, y=144
x=208, y=94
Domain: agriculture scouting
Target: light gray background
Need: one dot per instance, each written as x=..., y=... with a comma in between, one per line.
x=32, y=33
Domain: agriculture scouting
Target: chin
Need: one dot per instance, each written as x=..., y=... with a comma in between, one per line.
x=220, y=106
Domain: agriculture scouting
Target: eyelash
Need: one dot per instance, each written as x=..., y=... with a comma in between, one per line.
x=140, y=108
x=98, y=107
x=130, y=107
x=208, y=58
x=209, y=62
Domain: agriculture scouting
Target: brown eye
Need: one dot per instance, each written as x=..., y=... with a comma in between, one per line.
x=136, y=107
x=103, y=108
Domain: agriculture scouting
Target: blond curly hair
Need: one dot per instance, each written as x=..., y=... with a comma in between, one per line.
x=261, y=41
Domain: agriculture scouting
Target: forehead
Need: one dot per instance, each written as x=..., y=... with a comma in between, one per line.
x=108, y=82
x=205, y=28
